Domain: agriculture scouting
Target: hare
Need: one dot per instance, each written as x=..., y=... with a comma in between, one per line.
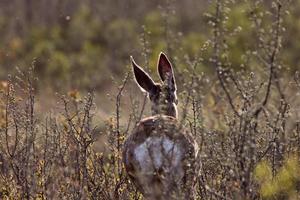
x=160, y=155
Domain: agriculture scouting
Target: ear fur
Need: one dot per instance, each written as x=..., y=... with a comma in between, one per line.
x=165, y=70
x=144, y=81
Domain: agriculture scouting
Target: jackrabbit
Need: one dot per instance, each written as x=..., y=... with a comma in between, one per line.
x=160, y=155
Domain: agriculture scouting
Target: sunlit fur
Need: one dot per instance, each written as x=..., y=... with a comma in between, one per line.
x=160, y=155
x=164, y=101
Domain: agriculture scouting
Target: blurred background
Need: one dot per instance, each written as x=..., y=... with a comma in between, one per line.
x=80, y=45
x=56, y=142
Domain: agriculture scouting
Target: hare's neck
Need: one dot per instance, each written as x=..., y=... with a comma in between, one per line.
x=169, y=109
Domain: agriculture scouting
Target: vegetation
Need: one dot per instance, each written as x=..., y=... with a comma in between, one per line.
x=236, y=67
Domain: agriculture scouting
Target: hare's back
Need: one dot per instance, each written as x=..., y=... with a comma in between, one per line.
x=158, y=150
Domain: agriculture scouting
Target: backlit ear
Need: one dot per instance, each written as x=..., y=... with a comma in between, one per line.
x=142, y=78
x=165, y=70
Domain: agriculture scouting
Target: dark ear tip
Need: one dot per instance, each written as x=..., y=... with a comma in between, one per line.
x=133, y=62
x=163, y=58
x=131, y=59
x=162, y=54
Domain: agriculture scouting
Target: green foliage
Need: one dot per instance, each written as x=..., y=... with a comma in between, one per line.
x=283, y=184
x=190, y=43
x=88, y=38
x=154, y=23
x=242, y=34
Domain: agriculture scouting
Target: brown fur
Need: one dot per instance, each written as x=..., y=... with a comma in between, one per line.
x=159, y=179
x=160, y=155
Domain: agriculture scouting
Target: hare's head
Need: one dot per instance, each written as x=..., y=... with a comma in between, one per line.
x=162, y=95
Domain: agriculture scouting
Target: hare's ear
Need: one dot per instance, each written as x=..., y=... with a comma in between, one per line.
x=165, y=70
x=142, y=78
